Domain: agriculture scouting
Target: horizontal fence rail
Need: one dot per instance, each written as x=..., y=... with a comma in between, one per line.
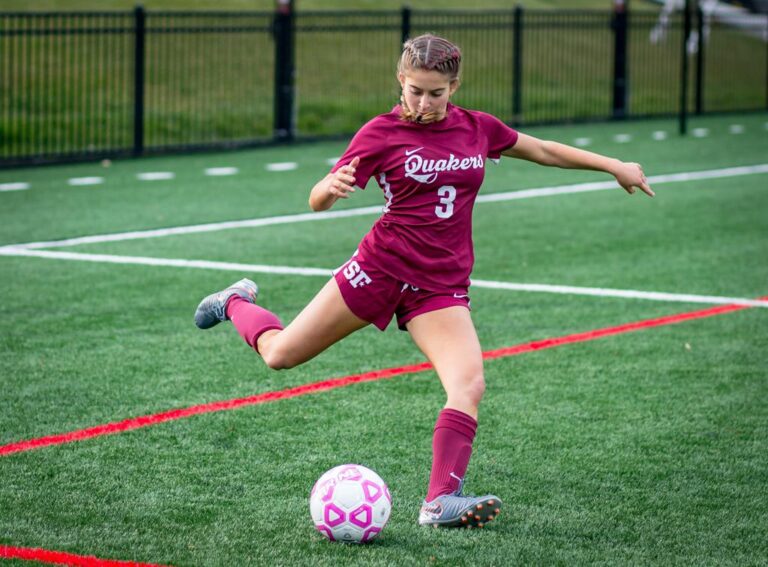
x=87, y=85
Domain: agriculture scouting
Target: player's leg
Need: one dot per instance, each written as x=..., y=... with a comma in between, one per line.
x=325, y=321
x=448, y=339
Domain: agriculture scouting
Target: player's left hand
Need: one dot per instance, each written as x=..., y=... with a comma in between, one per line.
x=630, y=175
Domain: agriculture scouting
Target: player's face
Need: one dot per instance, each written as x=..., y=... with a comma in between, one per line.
x=427, y=91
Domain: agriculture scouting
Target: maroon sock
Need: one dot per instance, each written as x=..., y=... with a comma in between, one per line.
x=250, y=320
x=451, y=449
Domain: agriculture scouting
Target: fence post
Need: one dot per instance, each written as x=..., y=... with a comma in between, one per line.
x=620, y=76
x=517, y=66
x=138, y=79
x=405, y=24
x=683, y=116
x=284, y=70
x=700, y=61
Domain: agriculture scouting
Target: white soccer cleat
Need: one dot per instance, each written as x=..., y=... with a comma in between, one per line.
x=459, y=511
x=213, y=309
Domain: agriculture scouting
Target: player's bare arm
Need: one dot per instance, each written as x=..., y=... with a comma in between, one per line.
x=334, y=186
x=628, y=175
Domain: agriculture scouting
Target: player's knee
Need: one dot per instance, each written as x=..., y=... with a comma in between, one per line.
x=278, y=359
x=468, y=390
x=475, y=387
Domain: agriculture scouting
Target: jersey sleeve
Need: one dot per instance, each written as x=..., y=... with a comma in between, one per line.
x=500, y=136
x=366, y=144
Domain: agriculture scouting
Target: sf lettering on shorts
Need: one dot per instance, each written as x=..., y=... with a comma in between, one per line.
x=375, y=296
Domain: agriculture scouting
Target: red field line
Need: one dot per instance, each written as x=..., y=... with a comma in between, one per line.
x=314, y=387
x=608, y=331
x=61, y=558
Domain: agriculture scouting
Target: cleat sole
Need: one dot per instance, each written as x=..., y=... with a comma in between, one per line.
x=475, y=516
x=483, y=513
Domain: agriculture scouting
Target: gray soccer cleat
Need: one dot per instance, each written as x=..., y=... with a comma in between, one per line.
x=212, y=309
x=459, y=511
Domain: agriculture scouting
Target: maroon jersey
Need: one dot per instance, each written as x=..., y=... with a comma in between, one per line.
x=430, y=175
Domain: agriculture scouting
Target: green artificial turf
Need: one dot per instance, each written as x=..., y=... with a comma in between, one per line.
x=642, y=448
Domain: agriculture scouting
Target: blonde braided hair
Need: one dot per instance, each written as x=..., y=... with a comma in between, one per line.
x=429, y=53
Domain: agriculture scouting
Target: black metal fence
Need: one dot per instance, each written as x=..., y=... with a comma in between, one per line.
x=90, y=85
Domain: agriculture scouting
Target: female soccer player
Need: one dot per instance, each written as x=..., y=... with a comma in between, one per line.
x=428, y=157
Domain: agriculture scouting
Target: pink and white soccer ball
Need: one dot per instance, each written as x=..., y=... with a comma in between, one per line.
x=350, y=503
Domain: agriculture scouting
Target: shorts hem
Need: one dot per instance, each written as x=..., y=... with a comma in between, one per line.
x=407, y=318
x=378, y=324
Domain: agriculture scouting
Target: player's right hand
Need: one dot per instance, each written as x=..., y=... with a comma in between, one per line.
x=343, y=180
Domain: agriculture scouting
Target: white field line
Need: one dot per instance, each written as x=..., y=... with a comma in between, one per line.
x=17, y=186
x=83, y=181
x=282, y=166
x=604, y=185
x=326, y=273
x=308, y=217
x=155, y=175
x=220, y=171
x=147, y=261
x=212, y=227
x=627, y=293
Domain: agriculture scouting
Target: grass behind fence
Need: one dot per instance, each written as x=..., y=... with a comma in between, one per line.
x=64, y=93
x=211, y=86
x=56, y=5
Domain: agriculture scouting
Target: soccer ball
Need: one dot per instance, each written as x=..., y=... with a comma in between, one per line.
x=350, y=503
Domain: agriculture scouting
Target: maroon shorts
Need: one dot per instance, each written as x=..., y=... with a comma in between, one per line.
x=375, y=296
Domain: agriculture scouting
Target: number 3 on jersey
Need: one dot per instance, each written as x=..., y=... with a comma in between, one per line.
x=447, y=194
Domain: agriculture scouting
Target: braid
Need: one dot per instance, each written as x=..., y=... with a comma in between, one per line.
x=429, y=53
